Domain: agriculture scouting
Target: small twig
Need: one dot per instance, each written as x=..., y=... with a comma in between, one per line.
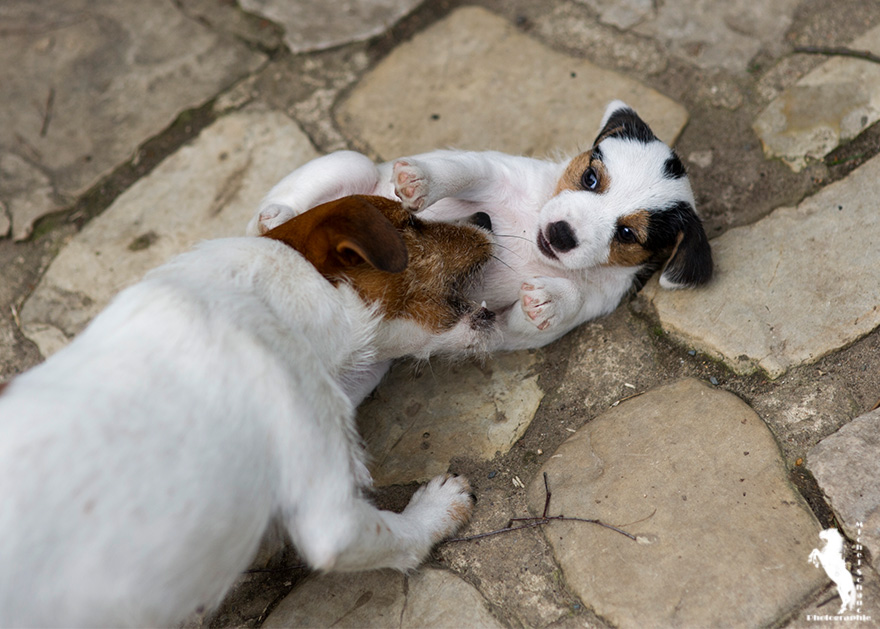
x=628, y=397
x=47, y=114
x=532, y=522
x=547, y=496
x=838, y=51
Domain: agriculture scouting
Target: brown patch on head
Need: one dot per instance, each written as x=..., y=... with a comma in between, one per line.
x=628, y=243
x=441, y=260
x=2, y=386
x=444, y=260
x=344, y=233
x=573, y=177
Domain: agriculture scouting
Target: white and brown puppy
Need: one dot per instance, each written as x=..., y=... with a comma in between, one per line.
x=141, y=464
x=574, y=236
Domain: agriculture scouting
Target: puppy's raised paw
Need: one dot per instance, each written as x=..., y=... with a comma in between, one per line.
x=410, y=185
x=442, y=506
x=537, y=303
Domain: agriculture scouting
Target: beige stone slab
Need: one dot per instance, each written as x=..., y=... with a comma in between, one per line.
x=847, y=467
x=708, y=33
x=829, y=106
x=695, y=474
x=791, y=288
x=206, y=189
x=473, y=81
x=415, y=425
x=85, y=82
x=319, y=24
x=429, y=598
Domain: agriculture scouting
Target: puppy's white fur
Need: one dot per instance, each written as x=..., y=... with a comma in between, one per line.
x=538, y=297
x=140, y=465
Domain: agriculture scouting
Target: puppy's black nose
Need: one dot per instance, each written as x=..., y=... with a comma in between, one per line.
x=483, y=220
x=561, y=236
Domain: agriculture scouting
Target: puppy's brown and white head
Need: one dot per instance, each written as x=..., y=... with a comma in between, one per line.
x=627, y=202
x=412, y=269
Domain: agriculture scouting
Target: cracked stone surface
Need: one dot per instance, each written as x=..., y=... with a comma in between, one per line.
x=663, y=466
x=305, y=21
x=451, y=70
x=414, y=425
x=429, y=598
x=85, y=82
x=207, y=189
x=780, y=298
x=846, y=466
x=708, y=33
x=828, y=107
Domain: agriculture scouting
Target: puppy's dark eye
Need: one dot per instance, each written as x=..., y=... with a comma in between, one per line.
x=589, y=180
x=626, y=235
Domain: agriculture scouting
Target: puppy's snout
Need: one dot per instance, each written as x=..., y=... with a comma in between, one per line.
x=561, y=236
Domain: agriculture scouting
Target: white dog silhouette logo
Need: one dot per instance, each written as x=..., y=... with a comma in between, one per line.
x=831, y=559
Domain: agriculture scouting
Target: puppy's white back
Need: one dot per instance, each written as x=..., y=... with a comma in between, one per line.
x=103, y=469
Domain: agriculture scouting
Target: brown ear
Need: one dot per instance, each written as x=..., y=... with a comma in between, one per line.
x=344, y=233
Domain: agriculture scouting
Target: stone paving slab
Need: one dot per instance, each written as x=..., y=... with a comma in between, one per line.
x=415, y=425
x=206, y=189
x=696, y=475
x=710, y=33
x=85, y=82
x=473, y=81
x=429, y=598
x=706, y=33
x=785, y=292
x=829, y=106
x=847, y=467
x=318, y=24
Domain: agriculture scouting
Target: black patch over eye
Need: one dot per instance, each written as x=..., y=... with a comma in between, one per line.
x=590, y=180
x=626, y=235
x=673, y=168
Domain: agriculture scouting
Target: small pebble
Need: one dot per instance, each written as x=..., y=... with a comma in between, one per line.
x=492, y=474
x=713, y=380
x=692, y=352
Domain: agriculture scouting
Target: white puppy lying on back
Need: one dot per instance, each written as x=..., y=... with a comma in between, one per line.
x=140, y=465
x=573, y=236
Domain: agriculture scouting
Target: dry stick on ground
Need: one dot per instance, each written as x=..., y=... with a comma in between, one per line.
x=47, y=113
x=539, y=521
x=838, y=51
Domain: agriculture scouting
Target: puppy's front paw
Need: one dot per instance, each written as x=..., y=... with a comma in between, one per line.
x=410, y=185
x=537, y=303
x=442, y=506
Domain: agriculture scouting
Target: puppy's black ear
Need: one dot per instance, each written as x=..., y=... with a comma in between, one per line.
x=690, y=264
x=621, y=121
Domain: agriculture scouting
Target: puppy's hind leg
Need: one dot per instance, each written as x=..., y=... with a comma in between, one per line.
x=323, y=179
x=354, y=535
